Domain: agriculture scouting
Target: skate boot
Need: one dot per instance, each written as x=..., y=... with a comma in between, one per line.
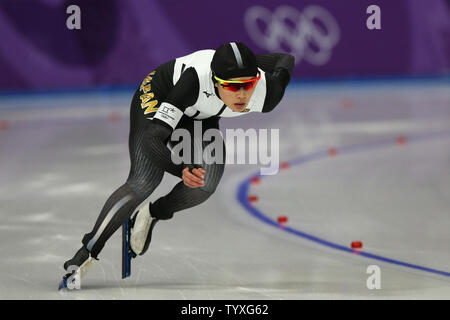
x=141, y=232
x=76, y=268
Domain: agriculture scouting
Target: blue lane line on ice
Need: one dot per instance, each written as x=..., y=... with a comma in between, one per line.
x=242, y=196
x=354, y=81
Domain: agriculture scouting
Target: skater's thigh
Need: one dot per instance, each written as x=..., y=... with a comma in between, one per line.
x=144, y=175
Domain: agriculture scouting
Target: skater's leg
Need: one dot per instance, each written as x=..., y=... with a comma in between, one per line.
x=183, y=197
x=179, y=198
x=143, y=179
x=117, y=209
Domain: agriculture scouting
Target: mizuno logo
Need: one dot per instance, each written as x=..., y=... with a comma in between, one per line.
x=208, y=94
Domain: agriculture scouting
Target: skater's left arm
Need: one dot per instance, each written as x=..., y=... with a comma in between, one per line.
x=278, y=69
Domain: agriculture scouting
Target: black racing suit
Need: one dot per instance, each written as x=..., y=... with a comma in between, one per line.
x=149, y=144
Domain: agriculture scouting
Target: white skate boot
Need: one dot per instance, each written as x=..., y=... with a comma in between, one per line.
x=77, y=268
x=141, y=232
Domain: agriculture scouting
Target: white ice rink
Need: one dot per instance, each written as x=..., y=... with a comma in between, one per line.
x=63, y=154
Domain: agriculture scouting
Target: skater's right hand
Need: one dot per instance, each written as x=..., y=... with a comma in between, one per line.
x=194, y=179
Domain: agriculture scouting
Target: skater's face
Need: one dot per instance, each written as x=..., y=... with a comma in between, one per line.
x=236, y=101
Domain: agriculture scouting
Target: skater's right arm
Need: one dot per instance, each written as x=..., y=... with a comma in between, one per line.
x=160, y=128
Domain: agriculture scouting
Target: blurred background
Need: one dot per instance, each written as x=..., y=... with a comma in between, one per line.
x=378, y=97
x=120, y=41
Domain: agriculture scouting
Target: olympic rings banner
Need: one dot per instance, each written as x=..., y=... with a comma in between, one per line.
x=118, y=42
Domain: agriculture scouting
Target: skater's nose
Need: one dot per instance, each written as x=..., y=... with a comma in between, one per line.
x=241, y=93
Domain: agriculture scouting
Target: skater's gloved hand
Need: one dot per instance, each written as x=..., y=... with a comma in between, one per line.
x=194, y=178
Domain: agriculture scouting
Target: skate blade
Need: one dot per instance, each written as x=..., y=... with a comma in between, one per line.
x=62, y=284
x=82, y=270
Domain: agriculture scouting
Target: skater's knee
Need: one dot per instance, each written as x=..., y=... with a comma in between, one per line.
x=212, y=178
x=142, y=185
x=160, y=210
x=137, y=189
x=209, y=188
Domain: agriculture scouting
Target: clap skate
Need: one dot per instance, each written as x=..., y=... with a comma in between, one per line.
x=136, y=237
x=141, y=234
x=77, y=268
